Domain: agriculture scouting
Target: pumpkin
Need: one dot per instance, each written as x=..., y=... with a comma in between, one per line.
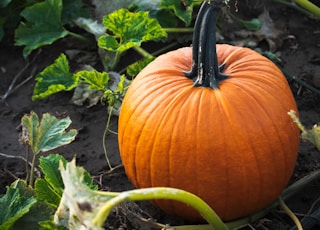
x=220, y=131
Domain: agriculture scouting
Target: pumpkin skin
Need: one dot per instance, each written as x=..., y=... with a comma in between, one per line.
x=235, y=147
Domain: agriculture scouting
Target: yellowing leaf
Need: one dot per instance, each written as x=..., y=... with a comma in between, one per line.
x=96, y=80
x=47, y=134
x=54, y=78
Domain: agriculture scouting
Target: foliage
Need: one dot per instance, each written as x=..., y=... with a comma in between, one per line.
x=54, y=78
x=44, y=22
x=38, y=17
x=17, y=207
x=47, y=134
x=129, y=30
x=22, y=203
x=183, y=9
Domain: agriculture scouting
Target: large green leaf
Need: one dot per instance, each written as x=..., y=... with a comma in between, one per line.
x=29, y=220
x=43, y=25
x=54, y=78
x=129, y=30
x=40, y=211
x=50, y=188
x=182, y=9
x=47, y=134
x=13, y=207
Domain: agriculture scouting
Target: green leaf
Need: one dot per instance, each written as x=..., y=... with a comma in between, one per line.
x=166, y=18
x=51, y=187
x=182, y=9
x=13, y=207
x=47, y=134
x=129, y=30
x=96, y=80
x=29, y=220
x=79, y=204
x=54, y=78
x=72, y=9
x=135, y=68
x=40, y=211
x=43, y=25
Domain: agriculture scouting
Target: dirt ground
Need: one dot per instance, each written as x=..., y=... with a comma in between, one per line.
x=300, y=54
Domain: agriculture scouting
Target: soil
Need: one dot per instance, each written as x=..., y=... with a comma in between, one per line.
x=300, y=53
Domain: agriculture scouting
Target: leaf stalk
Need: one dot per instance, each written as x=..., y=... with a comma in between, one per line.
x=162, y=193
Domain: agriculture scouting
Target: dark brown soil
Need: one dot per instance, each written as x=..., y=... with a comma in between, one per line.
x=300, y=52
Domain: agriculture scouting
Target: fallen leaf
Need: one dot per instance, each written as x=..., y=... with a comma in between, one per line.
x=270, y=32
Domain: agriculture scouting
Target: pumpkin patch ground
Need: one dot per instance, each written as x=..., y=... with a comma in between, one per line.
x=294, y=37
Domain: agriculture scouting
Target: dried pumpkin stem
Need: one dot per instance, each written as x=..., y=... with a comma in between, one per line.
x=205, y=71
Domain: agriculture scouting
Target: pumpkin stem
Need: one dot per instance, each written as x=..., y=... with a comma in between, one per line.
x=205, y=71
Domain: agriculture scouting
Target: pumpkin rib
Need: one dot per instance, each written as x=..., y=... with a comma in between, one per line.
x=265, y=111
x=190, y=99
x=227, y=172
x=282, y=95
x=198, y=133
x=161, y=84
x=140, y=104
x=271, y=96
x=178, y=101
x=233, y=129
x=152, y=135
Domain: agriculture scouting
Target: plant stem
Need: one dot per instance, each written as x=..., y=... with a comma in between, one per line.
x=309, y=6
x=115, y=60
x=294, y=6
x=27, y=165
x=80, y=37
x=205, y=71
x=162, y=193
x=104, y=138
x=32, y=170
x=143, y=52
x=179, y=30
x=290, y=213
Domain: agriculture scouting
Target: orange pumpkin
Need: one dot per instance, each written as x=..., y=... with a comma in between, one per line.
x=233, y=145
